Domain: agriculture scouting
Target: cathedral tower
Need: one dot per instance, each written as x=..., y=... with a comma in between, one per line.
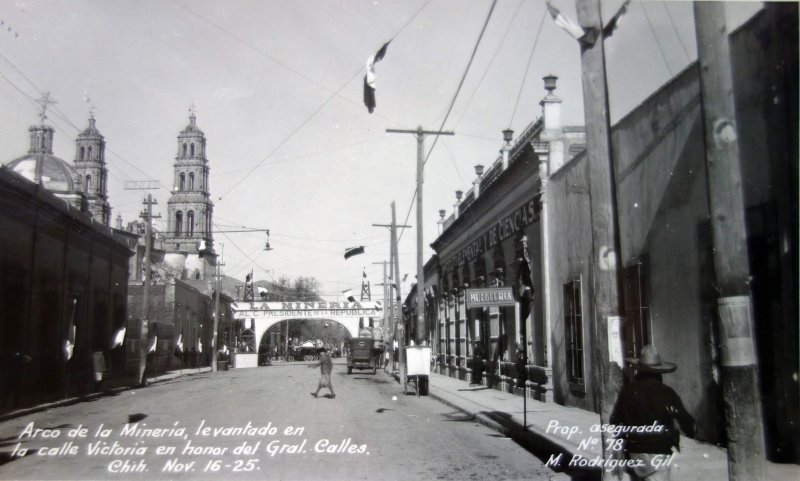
x=90, y=164
x=188, y=240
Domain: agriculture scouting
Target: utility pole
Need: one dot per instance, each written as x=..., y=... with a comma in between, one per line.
x=385, y=285
x=218, y=276
x=397, y=311
x=147, y=215
x=743, y=422
x=605, y=280
x=421, y=330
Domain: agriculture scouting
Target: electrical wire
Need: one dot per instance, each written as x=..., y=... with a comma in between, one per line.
x=450, y=109
x=491, y=62
x=309, y=118
x=675, y=29
x=660, y=49
x=525, y=75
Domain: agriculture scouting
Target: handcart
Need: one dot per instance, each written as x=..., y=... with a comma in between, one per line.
x=418, y=368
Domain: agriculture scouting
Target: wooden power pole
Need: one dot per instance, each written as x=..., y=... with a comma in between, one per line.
x=743, y=422
x=148, y=217
x=421, y=331
x=397, y=314
x=605, y=233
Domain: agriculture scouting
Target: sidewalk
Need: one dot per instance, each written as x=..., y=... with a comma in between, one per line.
x=114, y=387
x=570, y=430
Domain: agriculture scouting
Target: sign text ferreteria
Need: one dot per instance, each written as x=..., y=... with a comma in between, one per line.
x=506, y=227
x=489, y=297
x=306, y=310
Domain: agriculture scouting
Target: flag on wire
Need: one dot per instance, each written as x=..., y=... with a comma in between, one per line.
x=119, y=338
x=614, y=22
x=564, y=22
x=370, y=76
x=262, y=291
x=353, y=251
x=348, y=294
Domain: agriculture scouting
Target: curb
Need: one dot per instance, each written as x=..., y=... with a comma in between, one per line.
x=530, y=440
x=95, y=395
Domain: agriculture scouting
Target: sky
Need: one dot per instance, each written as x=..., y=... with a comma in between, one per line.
x=277, y=89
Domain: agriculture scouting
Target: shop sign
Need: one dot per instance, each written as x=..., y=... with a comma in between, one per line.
x=504, y=228
x=489, y=297
x=305, y=310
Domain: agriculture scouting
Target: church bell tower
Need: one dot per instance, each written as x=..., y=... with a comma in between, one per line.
x=189, y=225
x=90, y=164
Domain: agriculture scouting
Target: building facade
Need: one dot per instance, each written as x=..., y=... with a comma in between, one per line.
x=665, y=265
x=495, y=228
x=63, y=277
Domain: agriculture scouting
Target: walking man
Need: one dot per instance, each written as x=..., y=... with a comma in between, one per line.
x=643, y=402
x=325, y=364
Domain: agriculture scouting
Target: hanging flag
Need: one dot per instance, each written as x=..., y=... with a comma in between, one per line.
x=353, y=251
x=369, y=78
x=348, y=294
x=613, y=23
x=69, y=342
x=179, y=344
x=153, y=344
x=199, y=345
x=587, y=36
x=119, y=338
x=564, y=22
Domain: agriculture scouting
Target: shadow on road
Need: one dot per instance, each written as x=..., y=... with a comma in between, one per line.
x=542, y=448
x=135, y=418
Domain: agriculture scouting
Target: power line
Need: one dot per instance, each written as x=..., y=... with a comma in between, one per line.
x=450, y=108
x=660, y=49
x=489, y=66
x=525, y=75
x=308, y=119
x=674, y=29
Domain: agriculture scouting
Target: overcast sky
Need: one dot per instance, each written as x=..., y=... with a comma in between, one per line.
x=277, y=87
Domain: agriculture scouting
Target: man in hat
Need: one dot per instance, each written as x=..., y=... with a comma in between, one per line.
x=646, y=401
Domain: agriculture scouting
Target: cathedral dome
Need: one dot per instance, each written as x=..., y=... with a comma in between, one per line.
x=57, y=175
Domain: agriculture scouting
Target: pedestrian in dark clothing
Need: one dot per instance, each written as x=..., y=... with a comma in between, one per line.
x=325, y=364
x=642, y=403
x=477, y=363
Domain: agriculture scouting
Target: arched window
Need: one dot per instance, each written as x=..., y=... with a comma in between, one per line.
x=178, y=223
x=191, y=180
x=182, y=182
x=83, y=153
x=192, y=149
x=190, y=223
x=87, y=185
x=184, y=150
x=89, y=152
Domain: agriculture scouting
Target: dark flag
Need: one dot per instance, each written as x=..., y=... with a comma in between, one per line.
x=369, y=77
x=348, y=294
x=353, y=251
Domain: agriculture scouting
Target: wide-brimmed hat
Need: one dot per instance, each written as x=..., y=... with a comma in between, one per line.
x=650, y=361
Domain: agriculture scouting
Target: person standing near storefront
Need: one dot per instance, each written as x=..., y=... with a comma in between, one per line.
x=477, y=363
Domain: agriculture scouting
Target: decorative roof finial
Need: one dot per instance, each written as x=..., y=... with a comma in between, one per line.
x=192, y=112
x=44, y=101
